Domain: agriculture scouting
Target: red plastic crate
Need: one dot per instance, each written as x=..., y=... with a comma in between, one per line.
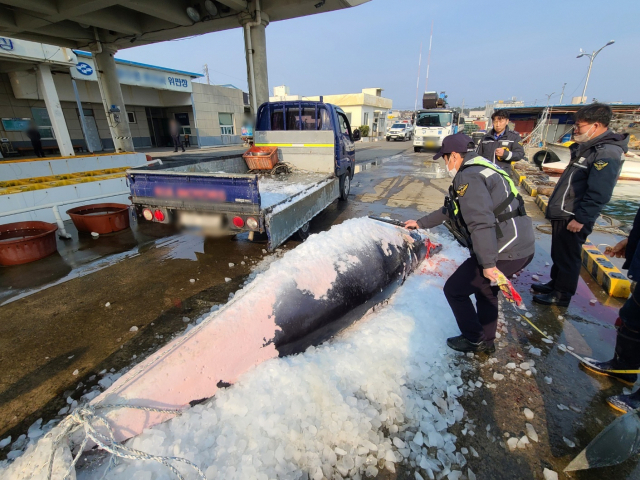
x=261, y=162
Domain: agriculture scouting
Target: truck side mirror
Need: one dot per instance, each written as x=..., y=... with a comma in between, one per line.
x=356, y=135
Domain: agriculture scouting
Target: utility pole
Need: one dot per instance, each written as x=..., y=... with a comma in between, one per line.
x=592, y=57
x=206, y=72
x=562, y=94
x=548, y=117
x=415, y=105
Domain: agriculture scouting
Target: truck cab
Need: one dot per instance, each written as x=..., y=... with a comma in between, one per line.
x=316, y=130
x=432, y=125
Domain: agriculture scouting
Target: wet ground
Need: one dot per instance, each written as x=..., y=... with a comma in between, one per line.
x=55, y=321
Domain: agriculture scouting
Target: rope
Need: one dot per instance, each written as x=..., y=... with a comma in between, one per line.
x=85, y=417
x=564, y=347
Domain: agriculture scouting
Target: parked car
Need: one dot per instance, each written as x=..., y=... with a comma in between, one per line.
x=400, y=131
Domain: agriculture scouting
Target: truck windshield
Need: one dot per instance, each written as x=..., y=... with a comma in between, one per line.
x=434, y=119
x=294, y=117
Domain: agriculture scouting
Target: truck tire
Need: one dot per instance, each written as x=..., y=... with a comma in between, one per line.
x=417, y=149
x=345, y=186
x=304, y=232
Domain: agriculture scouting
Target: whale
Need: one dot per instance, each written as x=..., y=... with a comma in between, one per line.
x=304, y=298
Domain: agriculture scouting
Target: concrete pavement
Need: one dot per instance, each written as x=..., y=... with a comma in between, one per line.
x=55, y=329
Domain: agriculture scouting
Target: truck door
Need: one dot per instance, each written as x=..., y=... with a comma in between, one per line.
x=346, y=147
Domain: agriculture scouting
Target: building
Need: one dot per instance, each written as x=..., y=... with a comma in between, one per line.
x=368, y=107
x=57, y=89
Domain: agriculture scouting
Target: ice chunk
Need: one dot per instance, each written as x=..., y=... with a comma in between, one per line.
x=227, y=279
x=525, y=366
x=546, y=340
x=471, y=475
x=511, y=366
x=231, y=265
x=398, y=442
x=418, y=476
x=531, y=432
x=523, y=442
x=535, y=278
x=535, y=351
x=474, y=452
x=418, y=439
x=192, y=280
x=75, y=372
x=512, y=443
x=498, y=376
x=548, y=380
x=569, y=443
x=133, y=329
x=562, y=407
x=528, y=414
x=549, y=474
x=339, y=451
x=593, y=301
x=4, y=442
x=108, y=304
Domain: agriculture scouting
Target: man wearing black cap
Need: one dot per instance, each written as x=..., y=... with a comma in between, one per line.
x=501, y=145
x=485, y=213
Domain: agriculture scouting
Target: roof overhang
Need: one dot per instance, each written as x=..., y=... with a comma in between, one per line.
x=128, y=23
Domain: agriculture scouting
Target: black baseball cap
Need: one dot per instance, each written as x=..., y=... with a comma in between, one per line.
x=458, y=142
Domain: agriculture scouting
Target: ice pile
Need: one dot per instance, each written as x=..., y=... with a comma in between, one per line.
x=382, y=392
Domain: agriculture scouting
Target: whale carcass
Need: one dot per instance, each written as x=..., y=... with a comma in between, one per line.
x=302, y=299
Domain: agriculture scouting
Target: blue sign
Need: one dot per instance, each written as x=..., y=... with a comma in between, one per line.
x=6, y=44
x=178, y=82
x=84, y=68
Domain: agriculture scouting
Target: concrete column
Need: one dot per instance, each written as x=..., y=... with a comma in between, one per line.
x=259, y=50
x=52, y=102
x=112, y=97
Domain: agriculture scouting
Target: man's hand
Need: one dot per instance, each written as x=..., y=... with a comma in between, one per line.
x=499, y=152
x=492, y=273
x=574, y=226
x=619, y=250
x=411, y=225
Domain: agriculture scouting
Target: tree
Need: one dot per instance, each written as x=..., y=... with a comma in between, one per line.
x=364, y=130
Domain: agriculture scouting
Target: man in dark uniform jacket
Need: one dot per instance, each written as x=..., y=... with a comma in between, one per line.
x=584, y=188
x=486, y=214
x=626, y=355
x=501, y=145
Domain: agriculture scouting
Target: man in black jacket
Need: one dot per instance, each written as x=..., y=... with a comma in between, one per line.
x=626, y=356
x=583, y=189
x=501, y=145
x=486, y=214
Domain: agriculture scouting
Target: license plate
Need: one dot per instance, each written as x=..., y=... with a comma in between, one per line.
x=430, y=144
x=201, y=220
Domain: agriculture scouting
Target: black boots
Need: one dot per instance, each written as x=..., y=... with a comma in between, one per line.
x=461, y=344
x=542, y=287
x=601, y=368
x=625, y=403
x=554, y=298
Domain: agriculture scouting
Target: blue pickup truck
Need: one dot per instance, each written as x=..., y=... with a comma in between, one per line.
x=314, y=140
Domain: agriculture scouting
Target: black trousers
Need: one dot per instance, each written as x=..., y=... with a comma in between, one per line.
x=468, y=280
x=566, y=254
x=628, y=340
x=37, y=148
x=176, y=142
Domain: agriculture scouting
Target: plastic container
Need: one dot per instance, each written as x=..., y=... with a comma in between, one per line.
x=101, y=218
x=261, y=158
x=24, y=242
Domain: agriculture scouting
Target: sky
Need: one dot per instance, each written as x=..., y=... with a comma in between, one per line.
x=480, y=52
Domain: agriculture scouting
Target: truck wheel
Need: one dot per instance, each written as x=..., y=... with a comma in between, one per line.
x=417, y=149
x=345, y=186
x=304, y=232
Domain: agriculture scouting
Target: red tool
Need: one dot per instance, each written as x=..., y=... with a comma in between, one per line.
x=508, y=291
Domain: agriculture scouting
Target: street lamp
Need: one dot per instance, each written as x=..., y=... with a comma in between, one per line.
x=592, y=57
